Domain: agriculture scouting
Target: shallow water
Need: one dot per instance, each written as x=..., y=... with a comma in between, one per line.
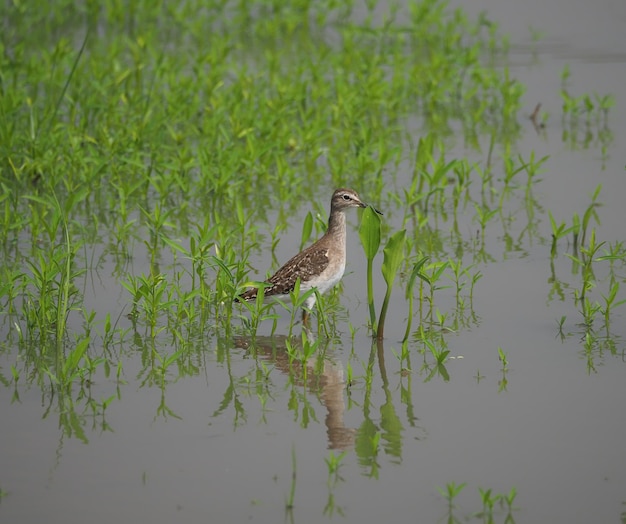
x=216, y=444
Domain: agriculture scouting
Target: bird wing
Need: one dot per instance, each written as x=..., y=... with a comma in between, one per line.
x=304, y=266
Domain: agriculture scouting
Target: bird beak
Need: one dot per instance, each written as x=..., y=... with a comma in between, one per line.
x=363, y=204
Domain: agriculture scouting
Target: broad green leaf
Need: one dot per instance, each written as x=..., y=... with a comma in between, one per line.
x=369, y=232
x=416, y=272
x=394, y=254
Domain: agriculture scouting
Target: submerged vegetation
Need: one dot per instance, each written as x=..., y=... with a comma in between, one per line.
x=153, y=160
x=153, y=155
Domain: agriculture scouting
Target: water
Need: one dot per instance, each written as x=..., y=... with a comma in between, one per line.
x=217, y=444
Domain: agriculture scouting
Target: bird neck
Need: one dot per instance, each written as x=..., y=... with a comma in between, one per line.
x=336, y=223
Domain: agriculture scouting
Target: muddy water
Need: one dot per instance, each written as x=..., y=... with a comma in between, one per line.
x=218, y=445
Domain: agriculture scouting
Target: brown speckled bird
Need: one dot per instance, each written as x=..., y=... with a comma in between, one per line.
x=320, y=265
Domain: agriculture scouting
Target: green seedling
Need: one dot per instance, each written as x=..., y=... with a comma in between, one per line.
x=484, y=215
x=393, y=255
x=508, y=499
x=457, y=272
x=440, y=354
x=436, y=271
x=532, y=168
x=334, y=463
x=228, y=272
x=558, y=232
x=153, y=294
x=437, y=180
x=610, y=304
x=588, y=309
x=415, y=273
x=15, y=374
x=604, y=102
x=403, y=357
x=302, y=352
x=441, y=319
x=504, y=362
x=166, y=362
x=68, y=369
x=53, y=278
x=451, y=492
x=614, y=253
x=298, y=303
x=462, y=170
x=349, y=375
x=565, y=76
x=571, y=104
x=511, y=169
x=475, y=278
x=369, y=232
x=590, y=213
x=157, y=223
x=258, y=309
x=488, y=501
x=502, y=357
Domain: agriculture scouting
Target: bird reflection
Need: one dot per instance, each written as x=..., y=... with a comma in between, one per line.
x=325, y=381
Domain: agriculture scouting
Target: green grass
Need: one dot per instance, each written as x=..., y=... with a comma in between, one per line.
x=155, y=154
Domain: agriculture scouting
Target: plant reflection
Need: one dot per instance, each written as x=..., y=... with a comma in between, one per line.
x=320, y=375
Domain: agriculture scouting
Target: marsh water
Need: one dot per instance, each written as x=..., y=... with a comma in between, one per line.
x=240, y=434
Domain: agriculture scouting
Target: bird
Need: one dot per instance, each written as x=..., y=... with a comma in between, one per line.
x=321, y=265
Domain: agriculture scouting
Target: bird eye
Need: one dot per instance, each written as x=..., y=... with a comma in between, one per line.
x=346, y=197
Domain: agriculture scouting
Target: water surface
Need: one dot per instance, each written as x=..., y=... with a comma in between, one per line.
x=217, y=444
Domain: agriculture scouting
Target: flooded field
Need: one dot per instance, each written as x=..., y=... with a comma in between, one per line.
x=154, y=161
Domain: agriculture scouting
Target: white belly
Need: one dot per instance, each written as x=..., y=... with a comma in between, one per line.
x=327, y=280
